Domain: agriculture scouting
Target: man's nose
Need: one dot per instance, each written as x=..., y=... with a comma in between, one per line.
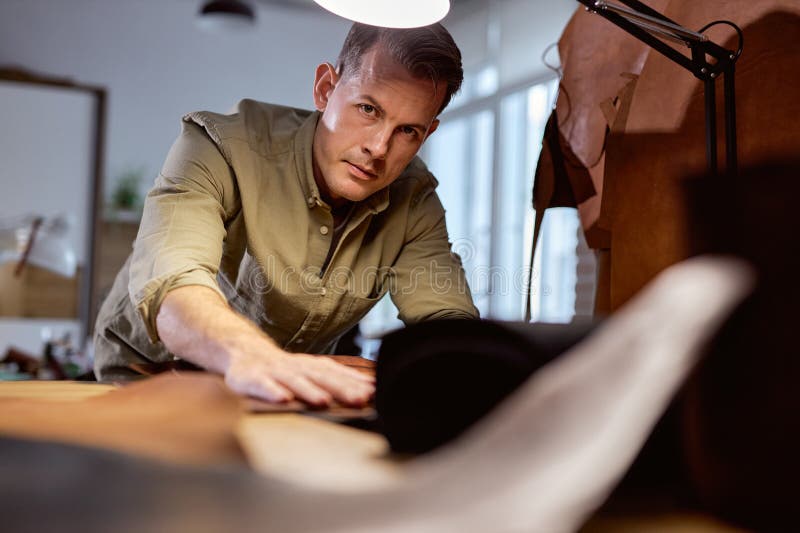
x=378, y=142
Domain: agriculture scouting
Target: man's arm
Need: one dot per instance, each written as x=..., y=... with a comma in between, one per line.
x=195, y=323
x=429, y=281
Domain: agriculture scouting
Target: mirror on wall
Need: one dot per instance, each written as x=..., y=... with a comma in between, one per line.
x=50, y=165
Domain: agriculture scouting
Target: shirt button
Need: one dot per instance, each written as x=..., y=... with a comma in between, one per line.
x=323, y=230
x=323, y=291
x=299, y=341
x=311, y=201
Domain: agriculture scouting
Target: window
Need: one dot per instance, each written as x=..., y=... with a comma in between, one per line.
x=488, y=202
x=484, y=155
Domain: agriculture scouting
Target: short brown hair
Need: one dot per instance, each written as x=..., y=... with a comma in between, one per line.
x=426, y=52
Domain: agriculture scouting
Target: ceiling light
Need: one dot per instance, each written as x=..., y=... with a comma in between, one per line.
x=389, y=13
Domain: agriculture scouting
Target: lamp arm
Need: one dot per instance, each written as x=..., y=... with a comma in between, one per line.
x=642, y=22
x=654, y=24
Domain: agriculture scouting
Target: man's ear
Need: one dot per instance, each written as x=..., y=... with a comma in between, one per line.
x=434, y=125
x=325, y=81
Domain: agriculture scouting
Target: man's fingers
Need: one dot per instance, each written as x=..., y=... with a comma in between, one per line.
x=357, y=374
x=304, y=389
x=353, y=396
x=311, y=379
x=353, y=373
x=260, y=385
x=344, y=370
x=344, y=387
x=347, y=392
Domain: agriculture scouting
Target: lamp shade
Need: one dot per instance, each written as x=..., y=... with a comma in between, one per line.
x=51, y=248
x=389, y=13
x=53, y=252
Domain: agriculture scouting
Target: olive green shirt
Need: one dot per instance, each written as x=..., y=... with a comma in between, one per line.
x=236, y=209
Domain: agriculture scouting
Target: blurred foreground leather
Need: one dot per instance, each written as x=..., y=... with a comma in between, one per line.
x=188, y=418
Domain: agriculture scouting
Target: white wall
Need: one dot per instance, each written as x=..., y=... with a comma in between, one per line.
x=157, y=65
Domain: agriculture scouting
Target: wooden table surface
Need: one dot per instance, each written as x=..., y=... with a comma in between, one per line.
x=65, y=391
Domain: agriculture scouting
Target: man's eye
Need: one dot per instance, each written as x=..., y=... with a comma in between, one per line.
x=408, y=130
x=368, y=109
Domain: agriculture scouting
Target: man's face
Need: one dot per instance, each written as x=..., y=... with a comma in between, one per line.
x=373, y=123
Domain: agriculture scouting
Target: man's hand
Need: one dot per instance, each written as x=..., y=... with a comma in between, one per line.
x=195, y=323
x=280, y=377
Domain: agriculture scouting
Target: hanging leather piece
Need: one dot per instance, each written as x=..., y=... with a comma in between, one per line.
x=551, y=188
x=560, y=179
x=616, y=111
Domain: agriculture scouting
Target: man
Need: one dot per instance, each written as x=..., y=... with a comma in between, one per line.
x=272, y=231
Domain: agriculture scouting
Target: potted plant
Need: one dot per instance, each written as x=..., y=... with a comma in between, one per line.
x=126, y=199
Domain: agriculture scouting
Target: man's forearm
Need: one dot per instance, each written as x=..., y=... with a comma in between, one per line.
x=196, y=324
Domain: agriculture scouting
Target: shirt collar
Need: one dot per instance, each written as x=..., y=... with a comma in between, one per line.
x=303, y=146
x=303, y=142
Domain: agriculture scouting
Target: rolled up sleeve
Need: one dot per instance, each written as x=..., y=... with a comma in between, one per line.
x=429, y=280
x=182, y=231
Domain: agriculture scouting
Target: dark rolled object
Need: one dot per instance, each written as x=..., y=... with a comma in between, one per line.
x=436, y=378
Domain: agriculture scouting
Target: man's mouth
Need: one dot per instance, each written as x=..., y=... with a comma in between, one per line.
x=360, y=172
